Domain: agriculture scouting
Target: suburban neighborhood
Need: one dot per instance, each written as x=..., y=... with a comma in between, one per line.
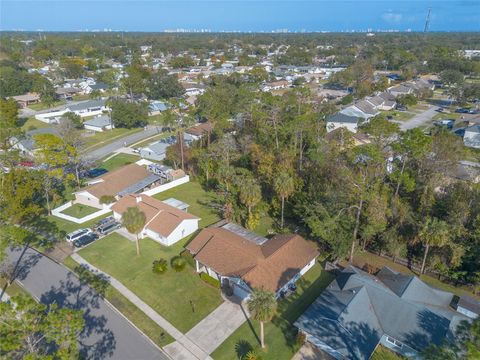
x=240, y=195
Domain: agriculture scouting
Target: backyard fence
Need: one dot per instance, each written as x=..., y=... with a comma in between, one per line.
x=167, y=186
x=58, y=213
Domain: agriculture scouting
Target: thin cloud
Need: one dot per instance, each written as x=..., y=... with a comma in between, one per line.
x=392, y=17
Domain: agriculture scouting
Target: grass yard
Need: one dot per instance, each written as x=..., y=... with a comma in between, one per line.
x=193, y=194
x=42, y=106
x=79, y=210
x=399, y=115
x=14, y=289
x=131, y=312
x=181, y=297
x=379, y=262
x=32, y=124
x=99, y=139
x=382, y=353
x=280, y=334
x=118, y=161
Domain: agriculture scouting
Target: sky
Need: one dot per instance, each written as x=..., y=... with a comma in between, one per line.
x=234, y=15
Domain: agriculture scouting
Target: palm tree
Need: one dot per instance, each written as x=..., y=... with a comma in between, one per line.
x=433, y=233
x=134, y=221
x=263, y=306
x=284, y=187
x=250, y=194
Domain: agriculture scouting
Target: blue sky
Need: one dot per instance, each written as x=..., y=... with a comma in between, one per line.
x=247, y=15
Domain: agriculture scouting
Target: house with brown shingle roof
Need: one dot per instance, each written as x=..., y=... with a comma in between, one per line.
x=129, y=179
x=164, y=223
x=243, y=260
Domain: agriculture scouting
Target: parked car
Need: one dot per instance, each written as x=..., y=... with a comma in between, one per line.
x=77, y=234
x=462, y=111
x=85, y=239
x=108, y=228
x=474, y=111
x=93, y=173
x=401, y=107
x=103, y=222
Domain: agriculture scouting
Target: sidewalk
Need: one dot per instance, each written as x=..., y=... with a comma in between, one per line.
x=184, y=348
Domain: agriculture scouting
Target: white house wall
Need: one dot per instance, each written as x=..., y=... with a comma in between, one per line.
x=186, y=227
x=85, y=198
x=335, y=125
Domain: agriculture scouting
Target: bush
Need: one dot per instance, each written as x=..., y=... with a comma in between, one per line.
x=107, y=199
x=300, y=338
x=159, y=266
x=188, y=257
x=210, y=280
x=178, y=263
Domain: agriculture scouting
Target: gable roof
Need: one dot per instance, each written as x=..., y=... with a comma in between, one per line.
x=393, y=304
x=114, y=182
x=269, y=265
x=99, y=121
x=200, y=129
x=340, y=117
x=160, y=217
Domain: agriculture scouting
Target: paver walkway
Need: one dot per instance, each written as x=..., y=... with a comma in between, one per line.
x=202, y=339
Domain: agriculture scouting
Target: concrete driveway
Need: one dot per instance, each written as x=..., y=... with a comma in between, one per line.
x=419, y=119
x=106, y=334
x=310, y=352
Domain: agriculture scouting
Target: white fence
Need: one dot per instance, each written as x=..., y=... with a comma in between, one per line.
x=58, y=213
x=167, y=186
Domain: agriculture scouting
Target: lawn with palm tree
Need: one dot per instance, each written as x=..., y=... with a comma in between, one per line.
x=181, y=297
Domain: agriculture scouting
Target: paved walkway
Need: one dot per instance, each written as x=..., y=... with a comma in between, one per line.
x=202, y=339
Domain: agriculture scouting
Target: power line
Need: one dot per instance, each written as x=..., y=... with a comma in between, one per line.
x=427, y=20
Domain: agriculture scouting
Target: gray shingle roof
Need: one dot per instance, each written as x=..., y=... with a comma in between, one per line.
x=87, y=105
x=342, y=118
x=357, y=309
x=99, y=121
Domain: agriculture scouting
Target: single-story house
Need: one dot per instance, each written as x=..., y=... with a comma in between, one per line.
x=165, y=224
x=362, y=109
x=276, y=85
x=129, y=179
x=83, y=109
x=99, y=123
x=401, y=89
x=157, y=107
x=98, y=86
x=359, y=311
x=242, y=260
x=155, y=151
x=26, y=143
x=340, y=119
x=471, y=138
x=198, y=131
x=67, y=93
x=26, y=99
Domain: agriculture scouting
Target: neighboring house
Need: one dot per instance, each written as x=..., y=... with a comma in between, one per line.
x=358, y=311
x=389, y=101
x=157, y=107
x=362, y=109
x=198, y=131
x=83, y=109
x=341, y=120
x=26, y=144
x=165, y=224
x=400, y=90
x=155, y=151
x=471, y=138
x=242, y=260
x=67, y=93
x=129, y=179
x=27, y=99
x=276, y=85
x=98, y=86
x=99, y=123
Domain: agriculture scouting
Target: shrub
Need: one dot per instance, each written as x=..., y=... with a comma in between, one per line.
x=210, y=280
x=252, y=355
x=178, y=263
x=160, y=266
x=188, y=257
x=300, y=338
x=107, y=199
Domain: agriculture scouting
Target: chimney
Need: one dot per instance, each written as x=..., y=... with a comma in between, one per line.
x=138, y=198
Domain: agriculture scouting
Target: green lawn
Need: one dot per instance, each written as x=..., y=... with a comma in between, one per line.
x=79, y=210
x=181, y=297
x=362, y=257
x=42, y=106
x=118, y=161
x=280, y=334
x=382, y=353
x=14, y=289
x=32, y=124
x=399, y=115
x=132, y=312
x=101, y=138
x=193, y=194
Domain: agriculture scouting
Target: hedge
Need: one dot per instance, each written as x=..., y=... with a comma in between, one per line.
x=210, y=280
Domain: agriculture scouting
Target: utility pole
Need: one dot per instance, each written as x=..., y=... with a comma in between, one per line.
x=427, y=21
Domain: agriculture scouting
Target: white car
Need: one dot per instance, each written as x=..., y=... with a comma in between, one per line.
x=77, y=234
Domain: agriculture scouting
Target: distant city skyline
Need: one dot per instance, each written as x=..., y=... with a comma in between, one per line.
x=242, y=16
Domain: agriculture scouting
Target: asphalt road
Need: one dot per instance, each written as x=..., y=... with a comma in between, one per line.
x=419, y=119
x=103, y=151
x=106, y=335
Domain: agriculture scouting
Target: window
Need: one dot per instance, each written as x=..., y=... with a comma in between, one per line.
x=394, y=342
